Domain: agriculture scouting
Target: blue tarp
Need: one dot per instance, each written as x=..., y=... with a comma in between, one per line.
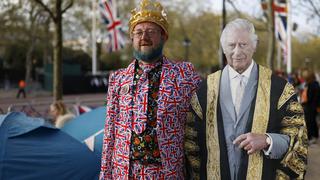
x=31, y=149
x=88, y=126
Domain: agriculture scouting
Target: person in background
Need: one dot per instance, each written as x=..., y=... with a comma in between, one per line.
x=22, y=85
x=60, y=114
x=147, y=104
x=310, y=98
x=247, y=121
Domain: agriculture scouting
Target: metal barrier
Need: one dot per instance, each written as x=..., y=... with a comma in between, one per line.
x=41, y=108
x=29, y=110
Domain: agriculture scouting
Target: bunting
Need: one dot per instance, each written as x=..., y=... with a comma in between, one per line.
x=81, y=109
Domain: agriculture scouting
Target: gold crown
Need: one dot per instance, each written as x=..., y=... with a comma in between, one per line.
x=151, y=12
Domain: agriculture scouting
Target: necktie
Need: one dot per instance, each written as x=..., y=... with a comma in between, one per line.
x=239, y=93
x=142, y=91
x=142, y=101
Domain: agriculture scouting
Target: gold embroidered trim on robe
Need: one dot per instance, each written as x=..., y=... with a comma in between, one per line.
x=260, y=121
x=280, y=175
x=294, y=126
x=296, y=157
x=295, y=107
x=196, y=106
x=287, y=93
x=296, y=120
x=213, y=162
x=191, y=147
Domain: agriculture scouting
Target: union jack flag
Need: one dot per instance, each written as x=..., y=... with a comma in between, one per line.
x=81, y=109
x=280, y=13
x=281, y=24
x=110, y=17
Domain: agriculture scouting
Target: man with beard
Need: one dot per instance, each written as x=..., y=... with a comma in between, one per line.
x=147, y=104
x=247, y=121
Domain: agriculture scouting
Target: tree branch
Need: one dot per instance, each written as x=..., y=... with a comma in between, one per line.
x=46, y=8
x=316, y=11
x=67, y=7
x=234, y=7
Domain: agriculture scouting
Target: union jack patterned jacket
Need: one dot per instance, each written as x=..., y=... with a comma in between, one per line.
x=177, y=83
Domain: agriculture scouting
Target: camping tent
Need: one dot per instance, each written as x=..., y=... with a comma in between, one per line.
x=88, y=128
x=30, y=148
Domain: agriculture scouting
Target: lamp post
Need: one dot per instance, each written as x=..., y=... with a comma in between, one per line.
x=94, y=38
x=186, y=43
x=307, y=62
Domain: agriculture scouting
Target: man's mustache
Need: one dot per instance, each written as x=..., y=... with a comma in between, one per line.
x=145, y=43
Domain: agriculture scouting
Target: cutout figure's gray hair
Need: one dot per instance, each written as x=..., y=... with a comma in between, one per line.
x=242, y=24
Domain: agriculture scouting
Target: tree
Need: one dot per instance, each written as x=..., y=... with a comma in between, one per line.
x=56, y=15
x=36, y=18
x=311, y=10
x=271, y=40
x=22, y=25
x=305, y=54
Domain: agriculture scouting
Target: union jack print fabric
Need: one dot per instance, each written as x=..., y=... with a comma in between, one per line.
x=110, y=17
x=178, y=81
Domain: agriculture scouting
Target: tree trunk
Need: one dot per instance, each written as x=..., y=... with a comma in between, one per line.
x=57, y=54
x=47, y=52
x=271, y=35
x=222, y=57
x=29, y=60
x=56, y=16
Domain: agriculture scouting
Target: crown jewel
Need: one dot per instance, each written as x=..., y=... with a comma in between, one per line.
x=149, y=11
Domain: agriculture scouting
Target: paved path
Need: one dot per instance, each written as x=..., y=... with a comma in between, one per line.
x=313, y=169
x=41, y=101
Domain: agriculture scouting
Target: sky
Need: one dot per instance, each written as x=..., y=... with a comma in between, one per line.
x=253, y=8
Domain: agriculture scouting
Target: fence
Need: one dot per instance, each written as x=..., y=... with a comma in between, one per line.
x=41, y=108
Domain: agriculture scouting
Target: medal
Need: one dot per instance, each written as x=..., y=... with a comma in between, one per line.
x=124, y=89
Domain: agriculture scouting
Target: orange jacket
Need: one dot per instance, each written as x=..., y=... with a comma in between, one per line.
x=22, y=84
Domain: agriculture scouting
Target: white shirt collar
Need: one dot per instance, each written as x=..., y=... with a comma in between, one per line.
x=233, y=73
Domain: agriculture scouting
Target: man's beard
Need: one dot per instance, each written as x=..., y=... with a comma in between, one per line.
x=150, y=56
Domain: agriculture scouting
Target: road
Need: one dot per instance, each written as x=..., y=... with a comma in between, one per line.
x=313, y=169
x=41, y=101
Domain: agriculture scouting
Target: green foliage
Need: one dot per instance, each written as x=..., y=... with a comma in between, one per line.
x=260, y=56
x=203, y=32
x=22, y=25
x=187, y=19
x=14, y=56
x=306, y=54
x=71, y=56
x=116, y=60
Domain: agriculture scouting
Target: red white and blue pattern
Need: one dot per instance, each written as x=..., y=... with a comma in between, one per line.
x=280, y=22
x=144, y=145
x=109, y=14
x=280, y=13
x=81, y=109
x=178, y=81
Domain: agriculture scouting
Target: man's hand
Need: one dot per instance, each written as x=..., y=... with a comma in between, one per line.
x=251, y=142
